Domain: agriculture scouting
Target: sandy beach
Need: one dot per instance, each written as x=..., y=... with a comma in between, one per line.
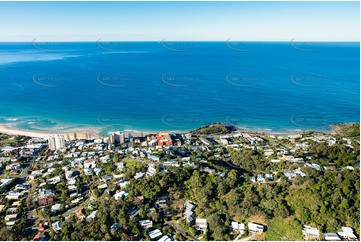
x=69, y=134
x=81, y=134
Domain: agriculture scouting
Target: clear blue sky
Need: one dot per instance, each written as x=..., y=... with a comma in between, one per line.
x=313, y=21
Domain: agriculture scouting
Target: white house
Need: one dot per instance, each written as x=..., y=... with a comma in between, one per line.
x=146, y=223
x=256, y=228
x=201, y=224
x=139, y=175
x=155, y=234
x=310, y=232
x=55, y=208
x=331, y=237
x=347, y=233
x=120, y=195
x=56, y=226
x=165, y=238
x=238, y=227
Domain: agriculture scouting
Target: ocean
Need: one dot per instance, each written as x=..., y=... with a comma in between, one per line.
x=179, y=86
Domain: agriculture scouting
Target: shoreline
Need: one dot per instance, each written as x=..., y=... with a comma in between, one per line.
x=94, y=133
x=81, y=133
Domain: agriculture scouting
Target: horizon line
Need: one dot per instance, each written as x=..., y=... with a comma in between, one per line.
x=163, y=40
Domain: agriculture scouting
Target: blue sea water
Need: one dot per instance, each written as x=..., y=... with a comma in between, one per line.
x=276, y=86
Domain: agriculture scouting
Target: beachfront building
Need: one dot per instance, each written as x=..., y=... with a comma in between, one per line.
x=117, y=138
x=56, y=142
x=164, y=138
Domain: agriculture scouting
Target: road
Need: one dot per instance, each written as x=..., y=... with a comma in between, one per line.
x=176, y=226
x=229, y=163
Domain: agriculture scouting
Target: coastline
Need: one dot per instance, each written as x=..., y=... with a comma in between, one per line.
x=81, y=133
x=94, y=133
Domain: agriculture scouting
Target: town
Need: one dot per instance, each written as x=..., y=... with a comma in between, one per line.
x=213, y=183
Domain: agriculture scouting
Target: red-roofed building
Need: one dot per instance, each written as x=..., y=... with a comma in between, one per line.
x=164, y=139
x=40, y=236
x=41, y=227
x=80, y=214
x=45, y=201
x=139, y=199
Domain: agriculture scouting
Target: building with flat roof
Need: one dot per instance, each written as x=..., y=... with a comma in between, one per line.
x=164, y=138
x=56, y=142
x=117, y=138
x=256, y=228
x=310, y=233
x=201, y=224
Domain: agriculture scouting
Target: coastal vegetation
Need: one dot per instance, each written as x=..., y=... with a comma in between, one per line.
x=215, y=128
x=326, y=198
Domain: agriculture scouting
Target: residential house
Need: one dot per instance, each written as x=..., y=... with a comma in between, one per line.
x=11, y=217
x=310, y=233
x=331, y=237
x=155, y=234
x=90, y=163
x=92, y=215
x=123, y=183
x=255, y=228
x=146, y=223
x=55, y=208
x=80, y=214
x=45, y=201
x=188, y=213
x=201, y=224
x=238, y=227
x=14, y=195
x=139, y=175
x=115, y=227
x=106, y=178
x=120, y=195
x=56, y=226
x=347, y=233
x=152, y=169
x=40, y=236
x=165, y=238
x=120, y=166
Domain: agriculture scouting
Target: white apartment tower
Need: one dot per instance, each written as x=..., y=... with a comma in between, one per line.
x=56, y=142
